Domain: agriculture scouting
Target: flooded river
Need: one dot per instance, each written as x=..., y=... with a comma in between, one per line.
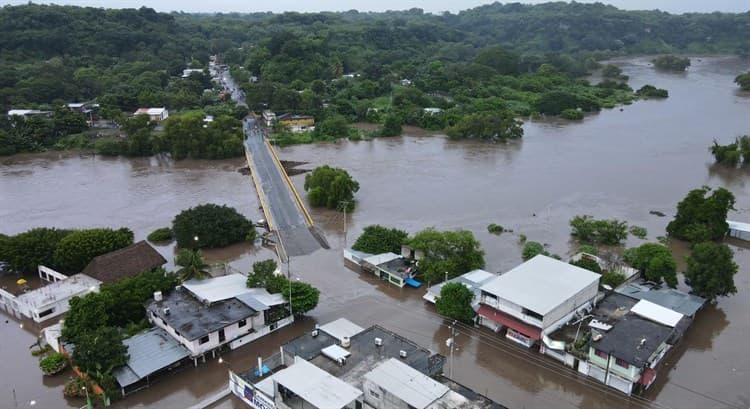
x=619, y=163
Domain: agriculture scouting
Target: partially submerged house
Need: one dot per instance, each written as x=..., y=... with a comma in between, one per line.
x=676, y=300
x=124, y=263
x=206, y=315
x=535, y=298
x=369, y=368
x=473, y=280
x=395, y=269
x=154, y=114
x=296, y=123
x=150, y=354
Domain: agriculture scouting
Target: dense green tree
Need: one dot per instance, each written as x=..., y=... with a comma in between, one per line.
x=650, y=91
x=586, y=229
x=262, y=273
x=100, y=350
x=334, y=127
x=86, y=314
x=78, y=248
x=743, y=80
x=500, y=125
x=503, y=61
x=25, y=251
x=376, y=239
x=391, y=126
x=701, y=218
x=162, y=234
x=531, y=249
x=611, y=71
x=671, y=62
x=587, y=264
x=654, y=261
x=455, y=302
x=212, y=225
x=124, y=300
x=710, y=270
x=329, y=187
x=304, y=297
x=192, y=265
x=453, y=252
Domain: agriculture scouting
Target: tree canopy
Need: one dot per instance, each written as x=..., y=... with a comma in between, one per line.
x=711, y=270
x=100, y=350
x=376, y=239
x=304, y=297
x=454, y=252
x=654, y=261
x=743, y=80
x=262, y=274
x=671, y=62
x=586, y=229
x=455, y=302
x=330, y=187
x=192, y=265
x=25, y=251
x=78, y=248
x=213, y=225
x=700, y=217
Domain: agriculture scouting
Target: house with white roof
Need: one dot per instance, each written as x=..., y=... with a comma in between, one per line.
x=204, y=315
x=535, y=298
x=154, y=114
x=473, y=280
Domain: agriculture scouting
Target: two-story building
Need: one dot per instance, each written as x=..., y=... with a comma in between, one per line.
x=535, y=298
x=626, y=355
x=206, y=315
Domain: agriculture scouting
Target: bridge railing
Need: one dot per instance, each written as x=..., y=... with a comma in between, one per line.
x=297, y=198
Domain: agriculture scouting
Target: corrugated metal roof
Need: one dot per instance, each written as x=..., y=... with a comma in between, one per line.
x=656, y=313
x=379, y=259
x=251, y=302
x=341, y=328
x=473, y=280
x=406, y=383
x=218, y=288
x=316, y=386
x=541, y=284
x=684, y=303
x=149, y=352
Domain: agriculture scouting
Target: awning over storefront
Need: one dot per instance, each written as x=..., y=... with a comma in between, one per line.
x=648, y=377
x=510, y=322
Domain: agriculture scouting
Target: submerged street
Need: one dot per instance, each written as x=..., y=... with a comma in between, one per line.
x=620, y=163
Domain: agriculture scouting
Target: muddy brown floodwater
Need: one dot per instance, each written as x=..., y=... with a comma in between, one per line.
x=620, y=163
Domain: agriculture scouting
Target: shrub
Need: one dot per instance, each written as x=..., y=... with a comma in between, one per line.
x=650, y=91
x=53, y=364
x=532, y=249
x=377, y=239
x=572, y=114
x=589, y=249
x=588, y=264
x=213, y=225
x=612, y=279
x=589, y=230
x=638, y=231
x=161, y=234
x=74, y=388
x=495, y=228
x=671, y=62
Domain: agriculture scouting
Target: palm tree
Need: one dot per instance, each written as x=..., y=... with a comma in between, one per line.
x=192, y=263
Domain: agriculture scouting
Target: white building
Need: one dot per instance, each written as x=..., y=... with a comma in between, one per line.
x=204, y=315
x=187, y=71
x=536, y=297
x=154, y=114
x=473, y=280
x=739, y=230
x=51, y=300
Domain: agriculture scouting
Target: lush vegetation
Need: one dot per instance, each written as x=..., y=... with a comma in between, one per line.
x=331, y=187
x=493, y=126
x=654, y=261
x=262, y=274
x=743, y=80
x=612, y=279
x=210, y=226
x=38, y=132
x=571, y=114
x=710, y=270
x=25, y=251
x=700, y=217
x=525, y=55
x=100, y=350
x=53, y=363
x=192, y=265
x=586, y=229
x=650, y=91
x=588, y=264
x=733, y=153
x=531, y=249
x=162, y=234
x=376, y=239
x=455, y=302
x=78, y=248
x=304, y=297
x=495, y=228
x=638, y=231
x=671, y=62
x=453, y=252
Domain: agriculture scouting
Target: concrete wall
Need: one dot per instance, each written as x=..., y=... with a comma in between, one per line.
x=584, y=296
x=509, y=308
x=379, y=398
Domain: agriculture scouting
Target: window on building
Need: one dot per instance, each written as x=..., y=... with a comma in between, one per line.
x=46, y=312
x=242, y=323
x=621, y=363
x=602, y=354
x=203, y=340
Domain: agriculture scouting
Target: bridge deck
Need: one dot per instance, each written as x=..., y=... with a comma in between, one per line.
x=283, y=208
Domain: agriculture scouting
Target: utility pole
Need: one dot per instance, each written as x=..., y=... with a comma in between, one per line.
x=452, y=344
x=289, y=277
x=344, y=204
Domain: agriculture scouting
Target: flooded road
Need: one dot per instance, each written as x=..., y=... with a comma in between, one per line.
x=615, y=164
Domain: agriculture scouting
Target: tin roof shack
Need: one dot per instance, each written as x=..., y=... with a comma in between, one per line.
x=676, y=300
x=205, y=315
x=625, y=355
x=154, y=114
x=124, y=263
x=367, y=360
x=392, y=268
x=536, y=298
x=473, y=280
x=51, y=300
x=150, y=354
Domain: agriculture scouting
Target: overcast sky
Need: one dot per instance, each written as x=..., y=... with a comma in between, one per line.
x=672, y=6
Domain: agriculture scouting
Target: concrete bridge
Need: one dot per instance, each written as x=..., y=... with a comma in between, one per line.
x=289, y=222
